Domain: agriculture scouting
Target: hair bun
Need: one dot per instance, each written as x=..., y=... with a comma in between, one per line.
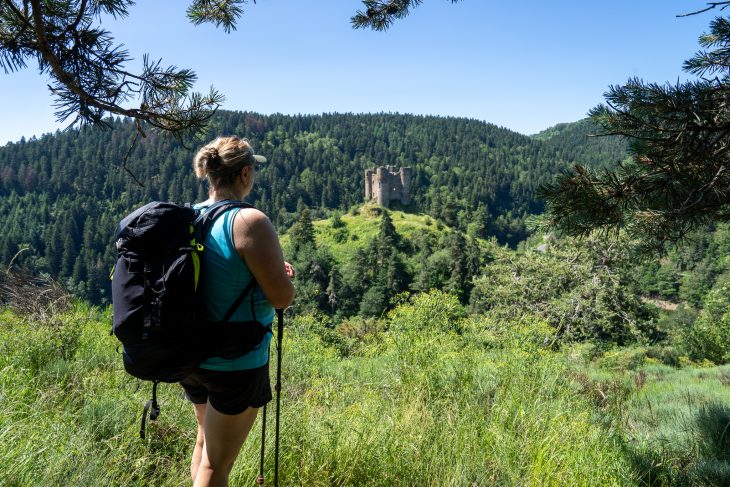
x=214, y=161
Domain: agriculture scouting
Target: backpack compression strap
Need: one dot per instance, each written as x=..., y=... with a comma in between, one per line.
x=249, y=288
x=150, y=407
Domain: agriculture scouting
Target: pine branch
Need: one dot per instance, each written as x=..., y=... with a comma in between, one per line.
x=710, y=6
x=89, y=78
x=219, y=12
x=380, y=15
x=89, y=81
x=680, y=141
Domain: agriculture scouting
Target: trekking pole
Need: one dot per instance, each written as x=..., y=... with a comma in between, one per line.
x=277, y=387
x=260, y=478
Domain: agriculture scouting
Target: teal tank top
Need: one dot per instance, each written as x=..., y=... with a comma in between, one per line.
x=224, y=275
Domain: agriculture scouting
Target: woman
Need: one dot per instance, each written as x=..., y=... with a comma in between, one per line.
x=242, y=244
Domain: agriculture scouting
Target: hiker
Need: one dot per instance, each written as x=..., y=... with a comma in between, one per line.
x=242, y=244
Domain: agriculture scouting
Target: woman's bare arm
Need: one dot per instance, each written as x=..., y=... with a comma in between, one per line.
x=258, y=244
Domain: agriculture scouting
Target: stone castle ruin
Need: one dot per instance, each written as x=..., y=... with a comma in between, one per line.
x=384, y=185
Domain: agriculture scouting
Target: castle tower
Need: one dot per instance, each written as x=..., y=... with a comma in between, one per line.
x=382, y=186
x=368, y=184
x=406, y=177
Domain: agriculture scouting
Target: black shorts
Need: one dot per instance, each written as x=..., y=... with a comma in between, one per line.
x=229, y=392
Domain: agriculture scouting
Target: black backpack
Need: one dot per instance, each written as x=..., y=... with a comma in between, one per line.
x=156, y=297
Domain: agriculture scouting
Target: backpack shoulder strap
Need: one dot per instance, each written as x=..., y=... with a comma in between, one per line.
x=202, y=226
x=208, y=215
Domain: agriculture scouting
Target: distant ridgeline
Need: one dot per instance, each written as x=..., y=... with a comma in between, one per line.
x=62, y=195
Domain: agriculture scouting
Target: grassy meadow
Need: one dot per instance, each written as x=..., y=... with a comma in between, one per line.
x=361, y=226
x=426, y=395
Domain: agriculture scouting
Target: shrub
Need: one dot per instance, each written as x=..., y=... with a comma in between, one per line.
x=630, y=358
x=431, y=311
x=666, y=354
x=336, y=220
x=526, y=332
x=572, y=288
x=709, y=337
x=340, y=235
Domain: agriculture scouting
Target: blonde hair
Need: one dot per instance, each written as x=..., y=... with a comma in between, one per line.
x=222, y=159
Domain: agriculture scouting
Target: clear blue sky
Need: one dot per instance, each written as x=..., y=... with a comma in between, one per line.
x=525, y=65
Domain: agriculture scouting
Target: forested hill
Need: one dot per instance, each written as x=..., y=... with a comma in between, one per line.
x=581, y=143
x=62, y=195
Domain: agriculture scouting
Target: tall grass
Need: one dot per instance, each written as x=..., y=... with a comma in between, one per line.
x=459, y=421
x=428, y=396
x=679, y=427
x=676, y=422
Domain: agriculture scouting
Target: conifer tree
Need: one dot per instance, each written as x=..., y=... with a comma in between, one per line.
x=458, y=266
x=473, y=262
x=396, y=276
x=79, y=273
x=68, y=256
x=387, y=239
x=89, y=76
x=448, y=212
x=54, y=248
x=374, y=300
x=478, y=225
x=333, y=290
x=302, y=232
x=678, y=178
x=77, y=195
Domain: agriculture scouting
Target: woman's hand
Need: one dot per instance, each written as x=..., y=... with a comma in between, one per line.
x=289, y=270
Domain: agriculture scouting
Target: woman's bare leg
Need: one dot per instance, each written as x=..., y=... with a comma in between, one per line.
x=224, y=435
x=199, y=440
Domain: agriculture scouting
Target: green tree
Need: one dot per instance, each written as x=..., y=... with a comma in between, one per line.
x=478, y=225
x=89, y=78
x=709, y=337
x=458, y=274
x=677, y=178
x=88, y=159
x=697, y=283
x=432, y=270
x=659, y=279
x=374, y=301
x=448, y=212
x=396, y=277
x=302, y=232
x=357, y=277
x=314, y=268
x=386, y=273
x=580, y=288
x=387, y=240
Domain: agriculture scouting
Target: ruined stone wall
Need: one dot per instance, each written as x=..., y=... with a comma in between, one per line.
x=368, y=185
x=384, y=185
